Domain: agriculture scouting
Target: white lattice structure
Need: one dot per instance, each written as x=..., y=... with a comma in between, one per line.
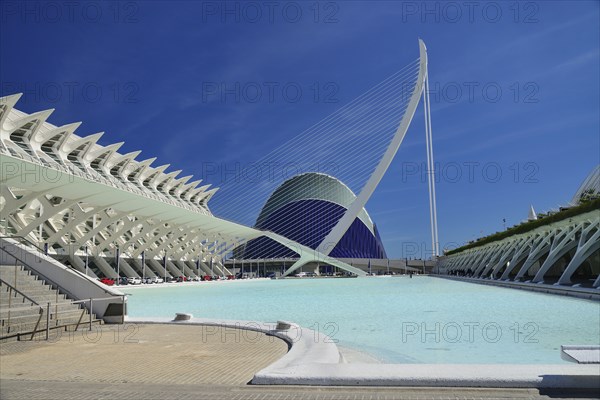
x=590, y=184
x=566, y=252
x=93, y=206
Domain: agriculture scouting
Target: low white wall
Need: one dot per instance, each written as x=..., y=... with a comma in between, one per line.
x=75, y=284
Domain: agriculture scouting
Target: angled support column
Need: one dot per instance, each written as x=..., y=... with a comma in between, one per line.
x=104, y=266
x=588, y=244
x=535, y=254
x=520, y=254
x=563, y=242
x=506, y=255
x=479, y=262
x=149, y=272
x=496, y=255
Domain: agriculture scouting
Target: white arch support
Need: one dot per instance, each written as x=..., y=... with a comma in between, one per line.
x=588, y=243
x=563, y=242
x=336, y=233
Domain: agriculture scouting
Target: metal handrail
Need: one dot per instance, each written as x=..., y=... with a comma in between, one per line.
x=33, y=302
x=3, y=282
x=23, y=238
x=18, y=259
x=37, y=272
x=48, y=306
x=91, y=309
x=25, y=307
x=55, y=314
x=41, y=274
x=97, y=298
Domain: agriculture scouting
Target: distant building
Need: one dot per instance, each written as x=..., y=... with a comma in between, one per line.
x=590, y=186
x=532, y=214
x=304, y=209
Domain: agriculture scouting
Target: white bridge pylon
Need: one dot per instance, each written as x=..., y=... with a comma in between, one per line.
x=421, y=89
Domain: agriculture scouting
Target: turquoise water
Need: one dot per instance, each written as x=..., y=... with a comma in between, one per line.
x=397, y=319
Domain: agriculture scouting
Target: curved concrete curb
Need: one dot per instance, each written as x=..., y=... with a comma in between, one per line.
x=305, y=345
x=435, y=375
x=314, y=359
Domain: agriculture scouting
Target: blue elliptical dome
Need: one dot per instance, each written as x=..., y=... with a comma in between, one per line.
x=304, y=209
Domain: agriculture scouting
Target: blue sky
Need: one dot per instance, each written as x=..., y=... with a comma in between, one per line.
x=515, y=91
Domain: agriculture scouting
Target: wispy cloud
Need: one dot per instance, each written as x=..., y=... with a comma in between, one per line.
x=398, y=210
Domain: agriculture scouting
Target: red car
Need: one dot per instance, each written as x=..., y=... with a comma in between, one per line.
x=107, y=281
x=230, y=277
x=206, y=278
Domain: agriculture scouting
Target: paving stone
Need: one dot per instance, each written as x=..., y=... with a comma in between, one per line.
x=183, y=362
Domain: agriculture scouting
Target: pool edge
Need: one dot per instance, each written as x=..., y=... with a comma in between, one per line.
x=313, y=359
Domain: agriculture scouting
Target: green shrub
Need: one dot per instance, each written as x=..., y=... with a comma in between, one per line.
x=543, y=219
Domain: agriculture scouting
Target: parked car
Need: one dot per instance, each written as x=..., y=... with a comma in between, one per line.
x=134, y=280
x=230, y=277
x=206, y=278
x=159, y=279
x=107, y=281
x=123, y=281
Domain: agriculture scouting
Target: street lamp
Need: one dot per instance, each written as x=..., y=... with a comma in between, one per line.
x=117, y=261
x=144, y=266
x=165, y=265
x=86, y=261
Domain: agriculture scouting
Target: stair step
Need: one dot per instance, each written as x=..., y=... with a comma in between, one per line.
x=54, y=332
x=24, y=288
x=24, y=309
x=55, y=319
x=31, y=294
x=40, y=300
x=26, y=330
x=24, y=317
x=31, y=288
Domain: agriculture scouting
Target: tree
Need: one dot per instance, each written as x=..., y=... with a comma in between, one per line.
x=588, y=195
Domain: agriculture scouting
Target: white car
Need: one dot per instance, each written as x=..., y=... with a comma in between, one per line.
x=159, y=280
x=134, y=280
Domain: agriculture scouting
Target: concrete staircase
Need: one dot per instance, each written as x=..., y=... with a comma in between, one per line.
x=20, y=316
